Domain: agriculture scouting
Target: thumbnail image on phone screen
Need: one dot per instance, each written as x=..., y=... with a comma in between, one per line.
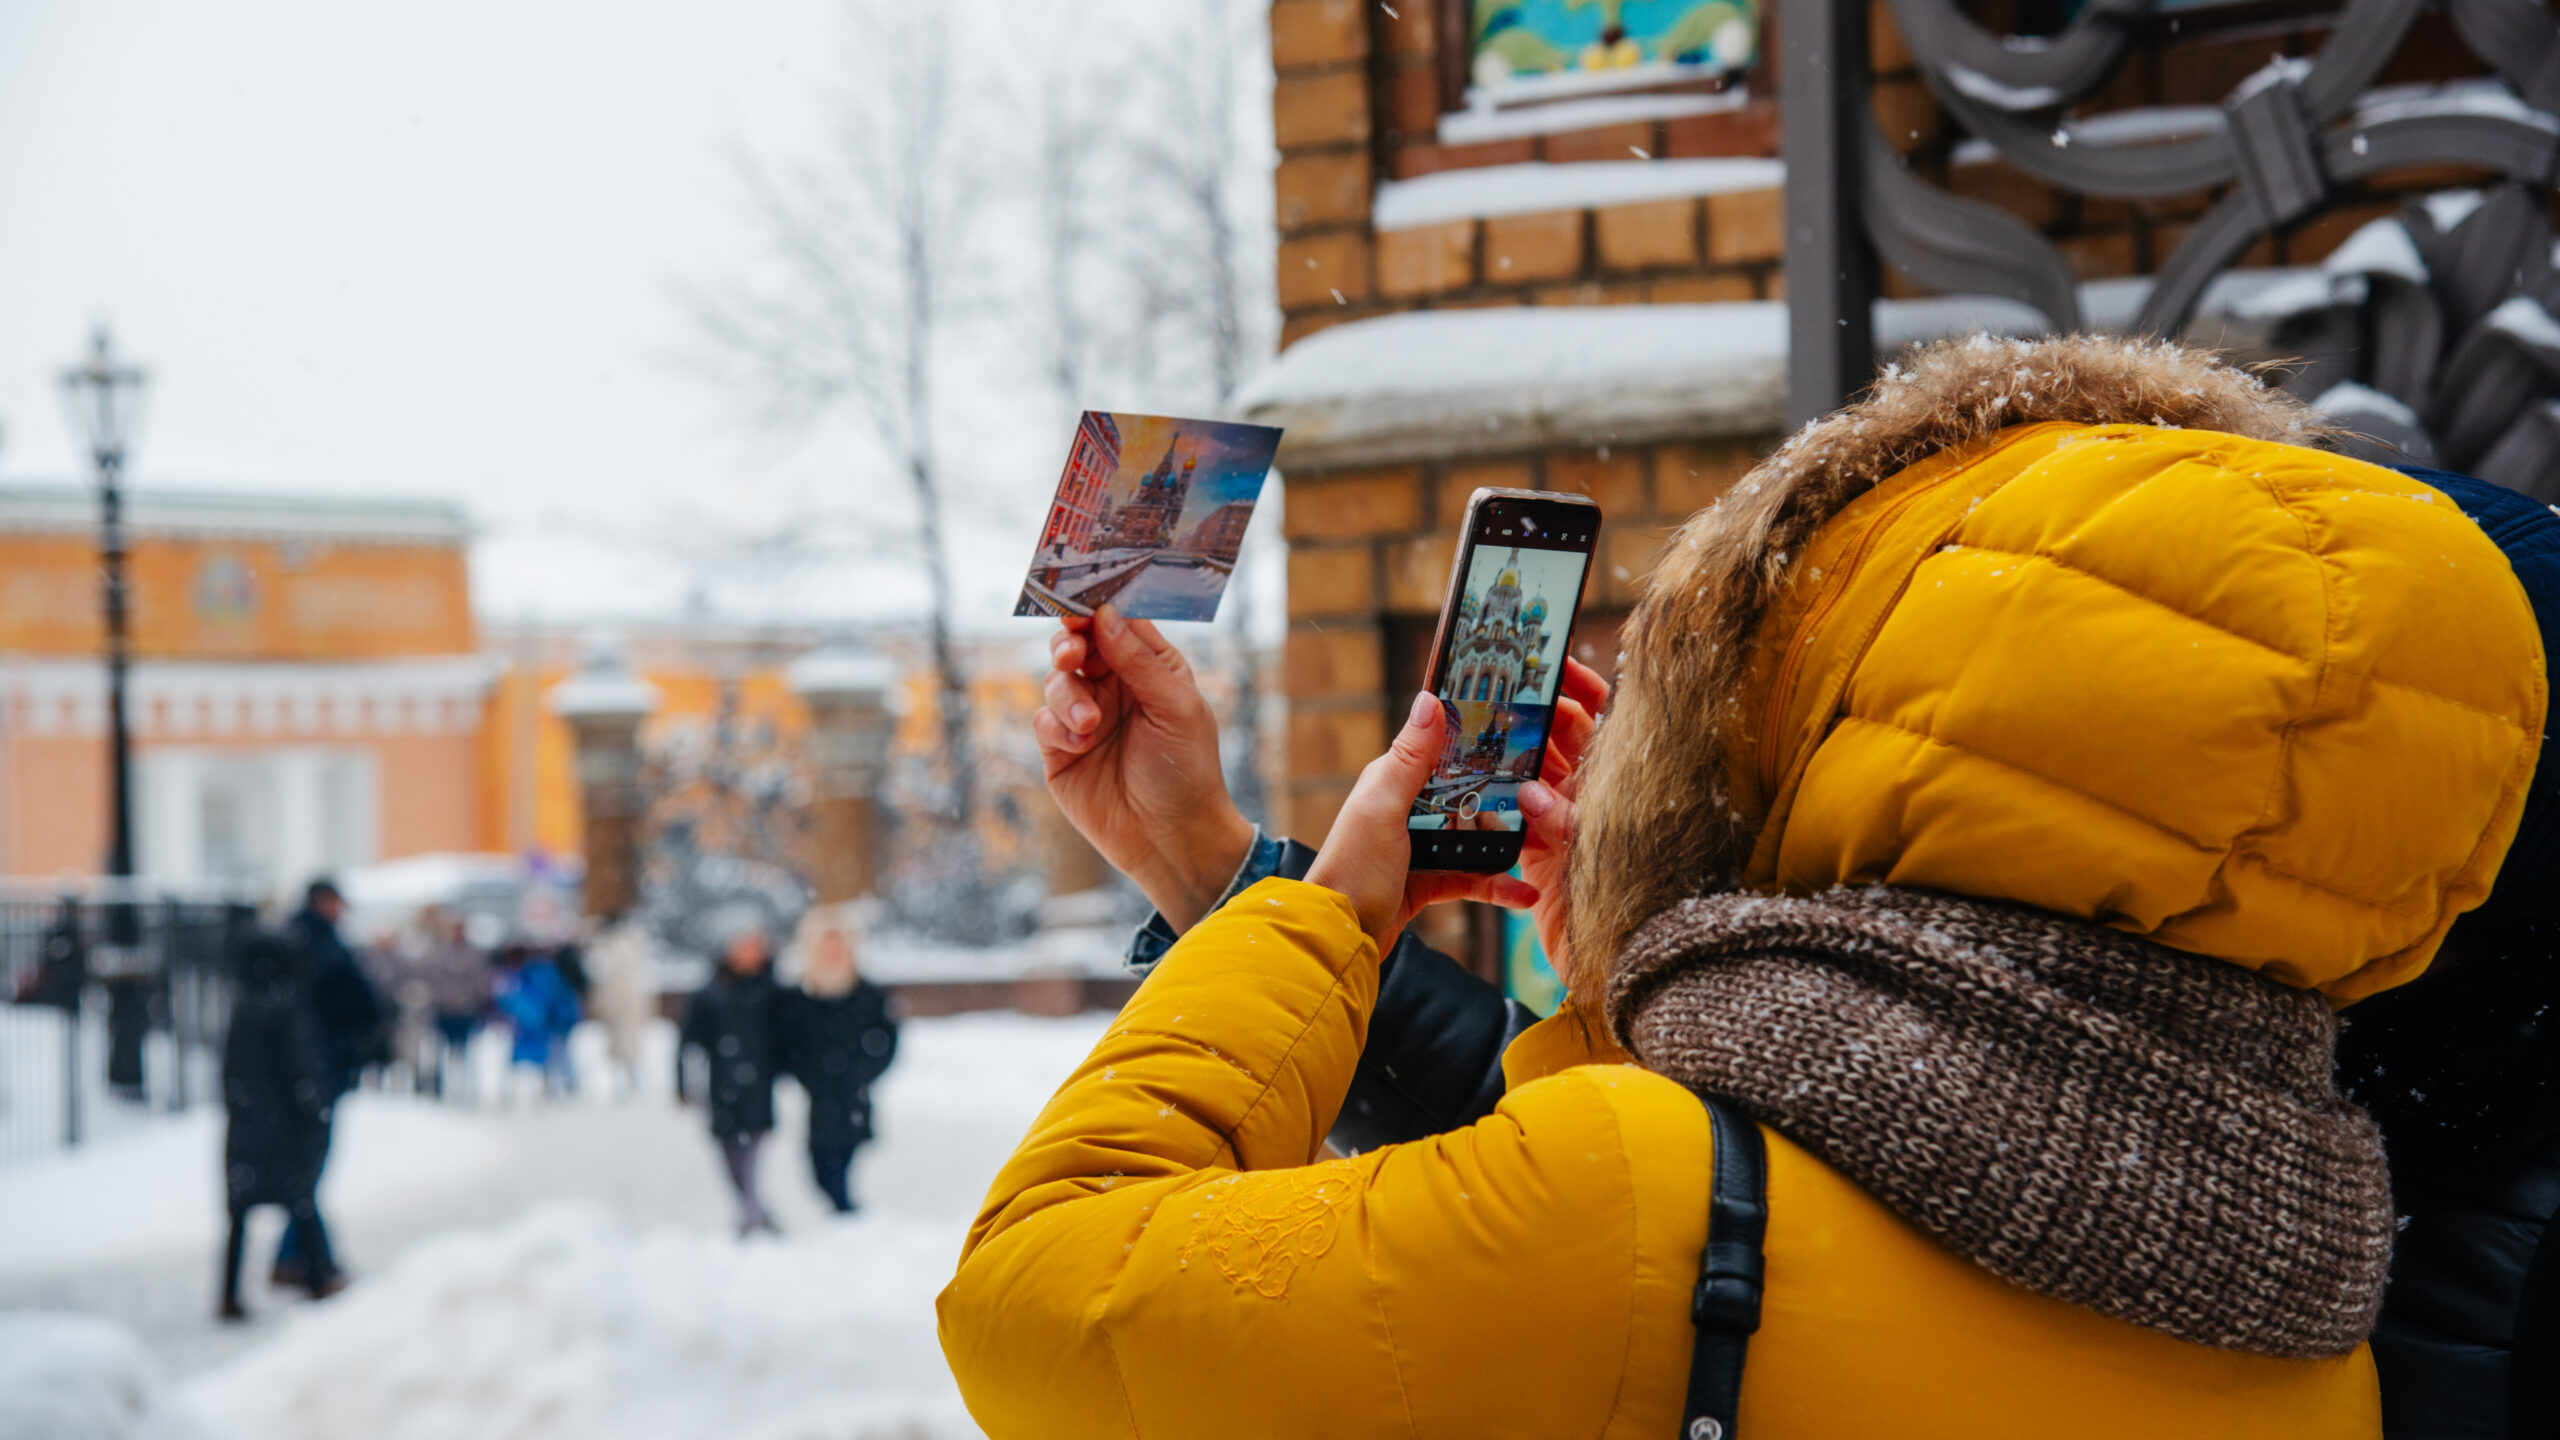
x=1495, y=667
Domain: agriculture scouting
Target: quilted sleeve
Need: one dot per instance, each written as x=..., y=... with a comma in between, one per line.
x=1165, y=1255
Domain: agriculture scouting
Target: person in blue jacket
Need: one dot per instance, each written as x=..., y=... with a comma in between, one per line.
x=540, y=1009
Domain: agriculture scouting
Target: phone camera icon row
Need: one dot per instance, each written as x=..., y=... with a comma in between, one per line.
x=1460, y=848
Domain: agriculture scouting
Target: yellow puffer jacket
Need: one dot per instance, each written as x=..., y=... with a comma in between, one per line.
x=1164, y=1255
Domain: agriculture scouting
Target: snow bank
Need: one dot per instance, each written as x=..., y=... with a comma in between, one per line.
x=75, y=1377
x=576, y=1323
x=569, y=1325
x=158, y=1190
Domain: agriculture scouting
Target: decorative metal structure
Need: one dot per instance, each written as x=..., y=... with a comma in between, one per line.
x=2432, y=325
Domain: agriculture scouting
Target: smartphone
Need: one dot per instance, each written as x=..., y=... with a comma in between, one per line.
x=1495, y=664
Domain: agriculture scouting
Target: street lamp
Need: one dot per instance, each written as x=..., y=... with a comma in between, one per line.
x=104, y=397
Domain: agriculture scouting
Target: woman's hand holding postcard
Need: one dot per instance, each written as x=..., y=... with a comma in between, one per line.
x=1149, y=516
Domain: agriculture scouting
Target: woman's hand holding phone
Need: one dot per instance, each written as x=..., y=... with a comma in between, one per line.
x=1367, y=858
x=1130, y=748
x=1547, y=803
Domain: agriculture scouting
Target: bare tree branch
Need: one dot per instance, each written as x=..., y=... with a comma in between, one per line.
x=866, y=242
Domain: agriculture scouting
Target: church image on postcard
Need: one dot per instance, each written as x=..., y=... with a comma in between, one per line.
x=1149, y=515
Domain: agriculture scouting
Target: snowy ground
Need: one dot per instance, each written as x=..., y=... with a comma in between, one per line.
x=563, y=1270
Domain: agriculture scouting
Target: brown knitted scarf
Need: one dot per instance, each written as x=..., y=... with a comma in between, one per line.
x=2119, y=1125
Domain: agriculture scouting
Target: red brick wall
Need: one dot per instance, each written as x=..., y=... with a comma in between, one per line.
x=1358, y=101
x=1369, y=558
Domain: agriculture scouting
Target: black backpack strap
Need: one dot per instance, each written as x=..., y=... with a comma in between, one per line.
x=1726, y=1305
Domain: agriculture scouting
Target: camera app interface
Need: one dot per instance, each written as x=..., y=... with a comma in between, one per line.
x=1498, y=683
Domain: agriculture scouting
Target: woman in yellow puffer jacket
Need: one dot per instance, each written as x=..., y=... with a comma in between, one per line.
x=2001, y=787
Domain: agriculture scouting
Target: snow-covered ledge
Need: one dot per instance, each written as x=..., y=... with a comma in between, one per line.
x=1488, y=191
x=1452, y=382
x=1437, y=384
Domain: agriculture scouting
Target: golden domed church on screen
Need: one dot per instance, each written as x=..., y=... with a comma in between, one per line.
x=1499, y=652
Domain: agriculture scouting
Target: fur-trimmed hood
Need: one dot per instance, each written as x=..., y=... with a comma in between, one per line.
x=1669, y=809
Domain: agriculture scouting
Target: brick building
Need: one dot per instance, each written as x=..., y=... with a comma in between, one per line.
x=1086, y=491
x=1588, y=295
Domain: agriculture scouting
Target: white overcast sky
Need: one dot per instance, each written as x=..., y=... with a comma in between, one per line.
x=431, y=250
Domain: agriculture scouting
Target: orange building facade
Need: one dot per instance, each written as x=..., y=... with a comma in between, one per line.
x=311, y=693
x=307, y=693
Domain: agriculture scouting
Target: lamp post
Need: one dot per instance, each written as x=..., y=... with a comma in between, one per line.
x=104, y=396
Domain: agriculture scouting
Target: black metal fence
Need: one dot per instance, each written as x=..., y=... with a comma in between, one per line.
x=2431, y=332
x=112, y=1013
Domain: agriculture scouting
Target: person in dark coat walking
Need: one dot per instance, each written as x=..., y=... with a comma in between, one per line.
x=347, y=1016
x=343, y=1001
x=276, y=1097
x=837, y=1038
x=731, y=1021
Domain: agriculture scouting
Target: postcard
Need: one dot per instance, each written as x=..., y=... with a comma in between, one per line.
x=1149, y=516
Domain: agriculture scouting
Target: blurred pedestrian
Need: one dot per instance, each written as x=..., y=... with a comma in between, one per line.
x=276, y=1095
x=731, y=1021
x=837, y=1039
x=571, y=961
x=398, y=969
x=347, y=1017
x=624, y=1000
x=130, y=1021
x=540, y=1010
x=459, y=991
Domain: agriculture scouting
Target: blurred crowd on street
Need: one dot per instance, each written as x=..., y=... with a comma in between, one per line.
x=315, y=1018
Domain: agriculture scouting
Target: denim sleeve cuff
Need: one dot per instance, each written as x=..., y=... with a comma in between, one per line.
x=1156, y=936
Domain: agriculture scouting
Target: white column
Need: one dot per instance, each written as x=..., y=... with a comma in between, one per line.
x=169, y=815
x=300, y=820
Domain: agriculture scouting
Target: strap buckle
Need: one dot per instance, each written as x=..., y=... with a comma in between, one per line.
x=1726, y=1300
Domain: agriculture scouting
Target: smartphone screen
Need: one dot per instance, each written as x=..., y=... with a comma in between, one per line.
x=1495, y=667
